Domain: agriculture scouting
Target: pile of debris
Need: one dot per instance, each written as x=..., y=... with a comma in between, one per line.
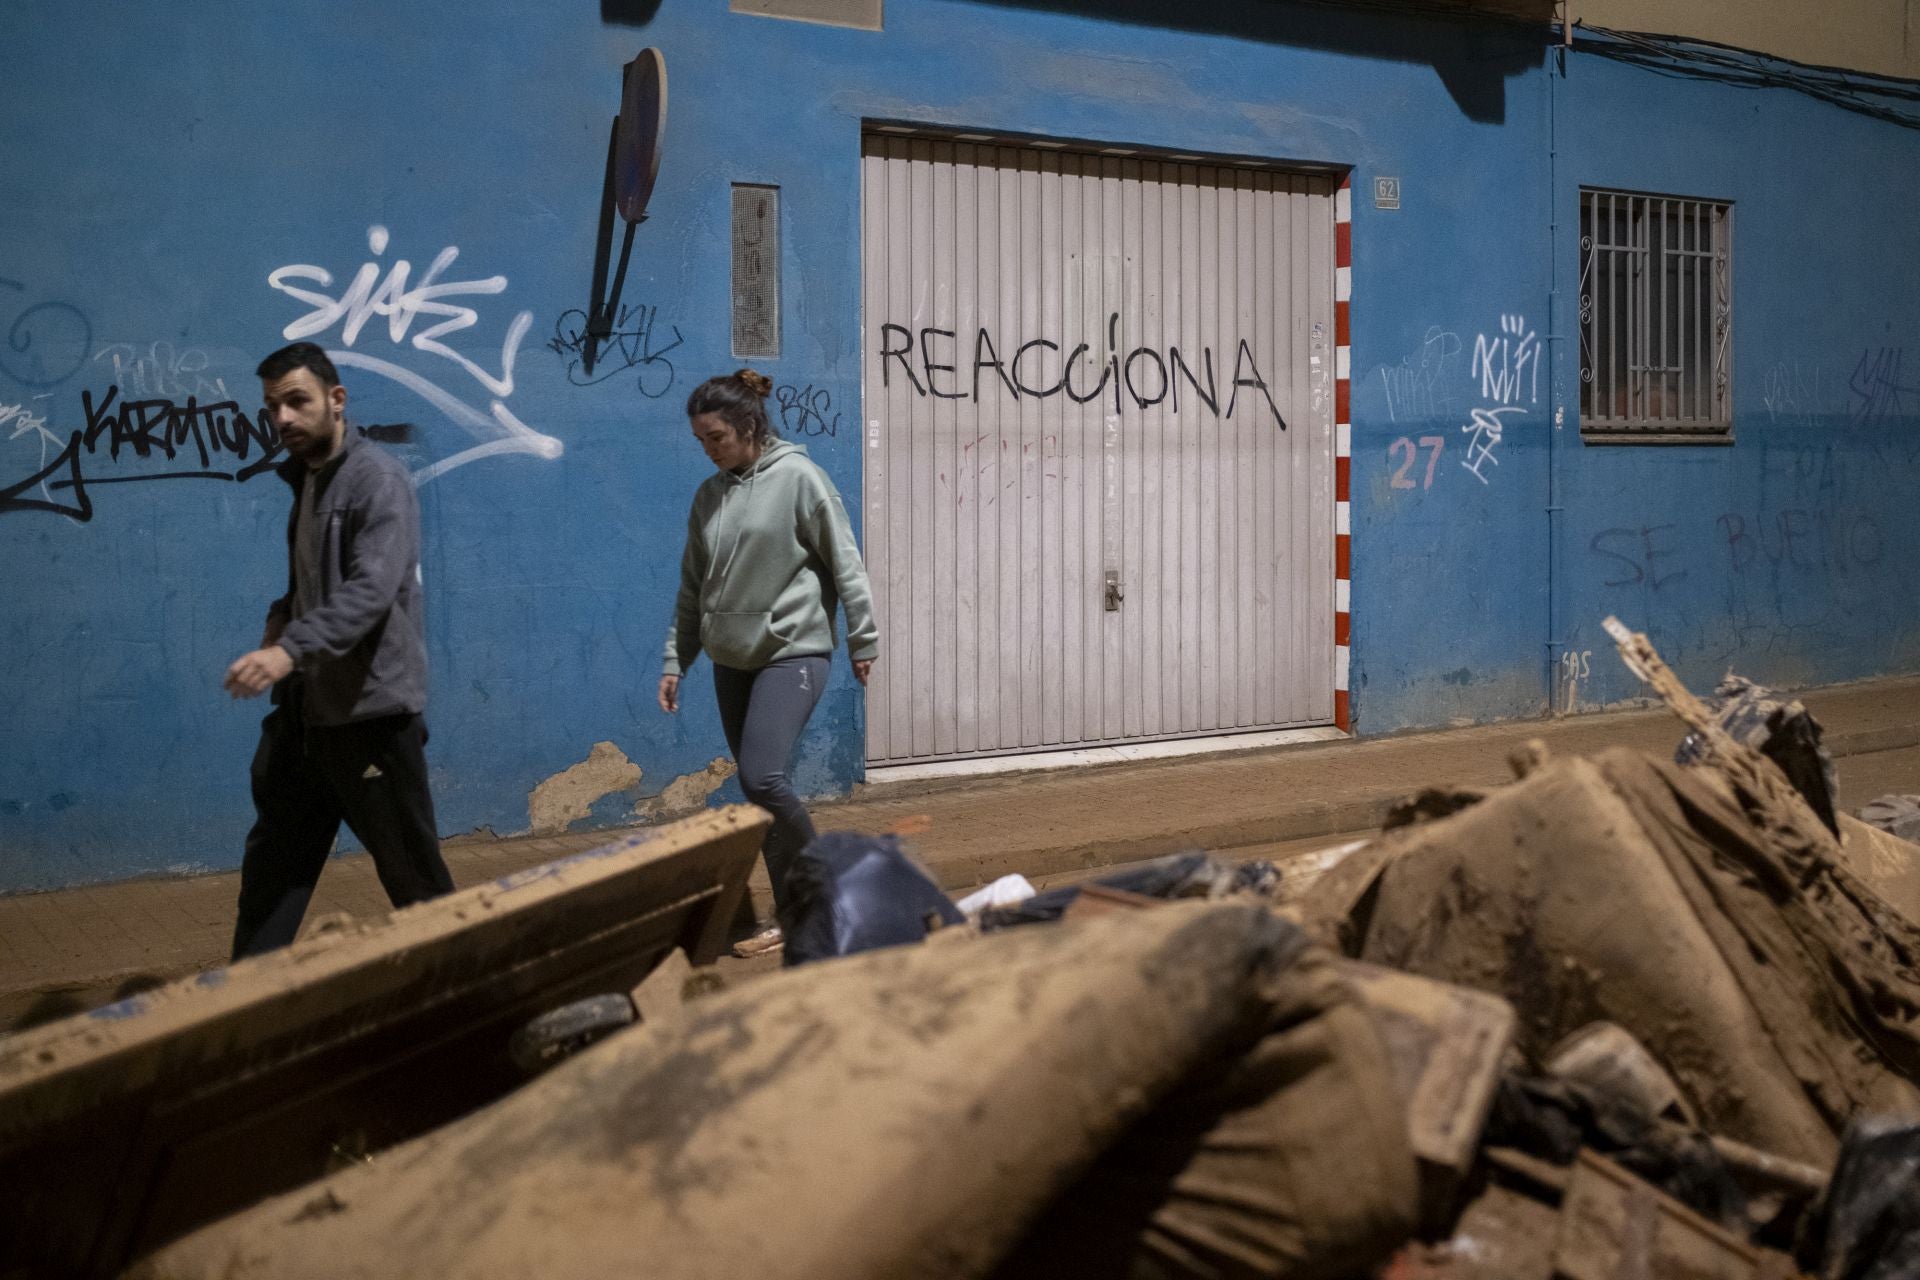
x=1623, y=1018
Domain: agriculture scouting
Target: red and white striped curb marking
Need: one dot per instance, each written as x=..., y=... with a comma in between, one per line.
x=1342, y=450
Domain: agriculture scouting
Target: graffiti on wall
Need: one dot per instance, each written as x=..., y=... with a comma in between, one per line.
x=1508, y=363
x=1575, y=669
x=1638, y=556
x=161, y=419
x=389, y=292
x=1874, y=393
x=1809, y=540
x=1772, y=575
x=1796, y=395
x=1485, y=432
x=1504, y=373
x=1420, y=388
x=1788, y=567
x=634, y=344
x=24, y=422
x=805, y=411
x=1873, y=397
x=1801, y=567
x=158, y=370
x=934, y=362
x=1407, y=454
x=137, y=441
x=46, y=341
x=1508, y=366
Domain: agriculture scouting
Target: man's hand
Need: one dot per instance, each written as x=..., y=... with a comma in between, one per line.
x=254, y=673
x=669, y=694
x=861, y=668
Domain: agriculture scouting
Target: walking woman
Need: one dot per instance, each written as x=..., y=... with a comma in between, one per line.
x=769, y=554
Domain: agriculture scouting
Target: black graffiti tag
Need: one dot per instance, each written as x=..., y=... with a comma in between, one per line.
x=931, y=361
x=806, y=411
x=629, y=346
x=207, y=441
x=46, y=343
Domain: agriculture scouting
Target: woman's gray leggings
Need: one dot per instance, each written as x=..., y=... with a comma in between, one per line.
x=763, y=713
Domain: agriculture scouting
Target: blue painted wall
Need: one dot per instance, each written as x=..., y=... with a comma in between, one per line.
x=167, y=161
x=1786, y=557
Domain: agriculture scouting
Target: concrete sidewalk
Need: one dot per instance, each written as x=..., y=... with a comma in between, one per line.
x=81, y=944
x=1047, y=823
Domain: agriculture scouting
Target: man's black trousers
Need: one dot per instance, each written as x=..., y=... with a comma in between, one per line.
x=306, y=779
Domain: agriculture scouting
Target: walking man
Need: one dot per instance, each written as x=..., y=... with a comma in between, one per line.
x=345, y=654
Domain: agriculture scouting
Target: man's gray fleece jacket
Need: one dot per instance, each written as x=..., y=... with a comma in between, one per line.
x=362, y=652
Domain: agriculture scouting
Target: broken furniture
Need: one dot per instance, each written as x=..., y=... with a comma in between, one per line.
x=126, y=1127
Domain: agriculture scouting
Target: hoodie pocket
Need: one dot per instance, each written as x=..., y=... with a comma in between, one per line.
x=743, y=640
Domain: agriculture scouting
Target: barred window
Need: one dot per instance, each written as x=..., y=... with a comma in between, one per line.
x=1656, y=317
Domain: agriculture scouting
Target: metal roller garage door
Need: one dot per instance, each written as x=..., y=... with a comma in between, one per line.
x=1099, y=447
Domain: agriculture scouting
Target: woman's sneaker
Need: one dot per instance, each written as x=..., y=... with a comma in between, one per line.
x=768, y=939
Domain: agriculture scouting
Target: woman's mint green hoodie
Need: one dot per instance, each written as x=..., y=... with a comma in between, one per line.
x=769, y=552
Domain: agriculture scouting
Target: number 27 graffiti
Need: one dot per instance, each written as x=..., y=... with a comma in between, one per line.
x=1404, y=450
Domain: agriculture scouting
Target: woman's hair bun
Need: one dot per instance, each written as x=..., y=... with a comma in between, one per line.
x=758, y=383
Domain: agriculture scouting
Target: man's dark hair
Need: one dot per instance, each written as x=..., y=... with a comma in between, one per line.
x=301, y=355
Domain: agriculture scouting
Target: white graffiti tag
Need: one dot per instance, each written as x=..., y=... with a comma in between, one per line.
x=402, y=301
x=161, y=373
x=25, y=422
x=1509, y=364
x=1485, y=431
x=1418, y=387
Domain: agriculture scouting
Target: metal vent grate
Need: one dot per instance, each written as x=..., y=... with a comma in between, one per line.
x=756, y=271
x=1656, y=315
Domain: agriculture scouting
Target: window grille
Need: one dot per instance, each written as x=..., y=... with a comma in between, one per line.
x=1656, y=316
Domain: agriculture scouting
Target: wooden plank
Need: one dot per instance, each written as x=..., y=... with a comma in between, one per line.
x=1613, y=1226
x=130, y=1125
x=1446, y=1043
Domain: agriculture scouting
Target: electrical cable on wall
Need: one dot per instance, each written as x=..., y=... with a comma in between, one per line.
x=1867, y=94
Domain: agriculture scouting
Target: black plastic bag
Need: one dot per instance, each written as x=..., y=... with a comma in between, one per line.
x=1553, y=1119
x=1895, y=815
x=1779, y=728
x=848, y=892
x=1179, y=875
x=1867, y=1226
